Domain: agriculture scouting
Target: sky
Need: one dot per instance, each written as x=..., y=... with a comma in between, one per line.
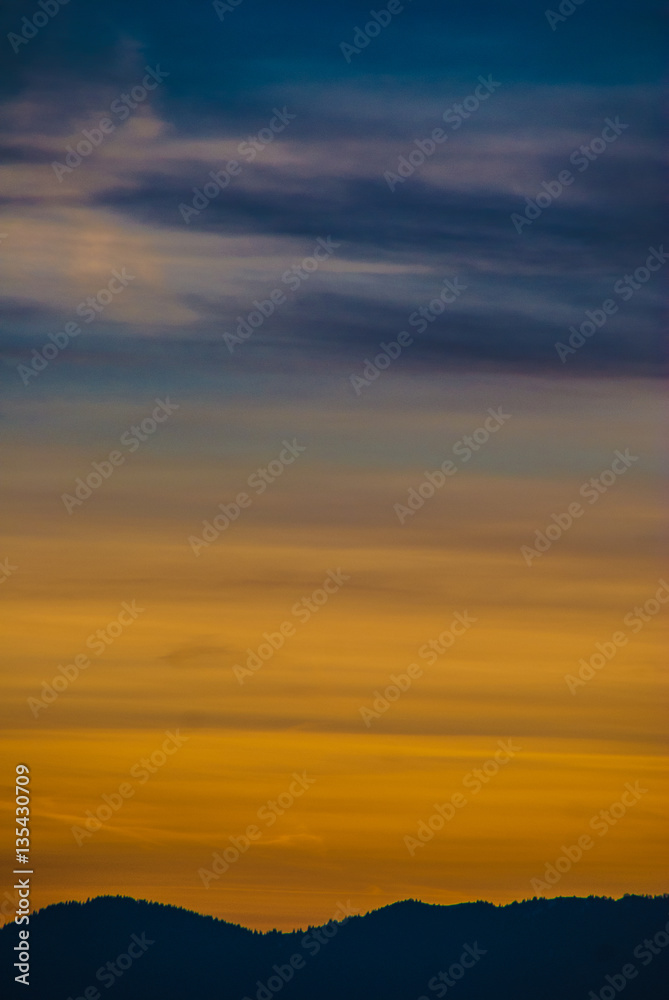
x=288, y=300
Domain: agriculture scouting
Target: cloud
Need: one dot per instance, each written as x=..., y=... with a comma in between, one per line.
x=195, y=655
x=324, y=175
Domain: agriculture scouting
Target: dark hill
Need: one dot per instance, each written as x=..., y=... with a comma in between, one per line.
x=536, y=950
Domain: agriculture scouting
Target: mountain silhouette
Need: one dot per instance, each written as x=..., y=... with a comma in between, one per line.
x=540, y=949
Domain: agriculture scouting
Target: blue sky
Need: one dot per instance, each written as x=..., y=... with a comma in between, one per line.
x=323, y=175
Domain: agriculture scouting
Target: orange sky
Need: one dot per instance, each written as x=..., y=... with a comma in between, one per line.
x=172, y=668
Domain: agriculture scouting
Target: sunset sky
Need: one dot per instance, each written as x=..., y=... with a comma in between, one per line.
x=352, y=450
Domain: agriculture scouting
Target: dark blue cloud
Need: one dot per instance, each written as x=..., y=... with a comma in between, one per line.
x=353, y=120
